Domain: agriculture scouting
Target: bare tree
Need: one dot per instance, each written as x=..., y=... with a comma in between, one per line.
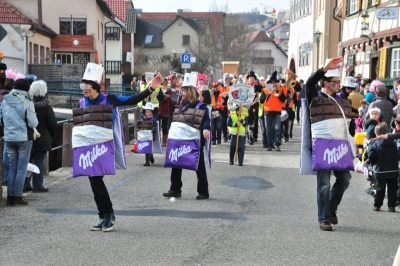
x=230, y=41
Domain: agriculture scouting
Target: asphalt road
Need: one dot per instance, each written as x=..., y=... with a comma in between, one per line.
x=262, y=213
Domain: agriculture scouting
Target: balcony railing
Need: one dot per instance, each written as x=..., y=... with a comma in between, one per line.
x=113, y=67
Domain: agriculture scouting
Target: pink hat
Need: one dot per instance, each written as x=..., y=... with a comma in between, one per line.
x=374, y=110
x=202, y=76
x=374, y=84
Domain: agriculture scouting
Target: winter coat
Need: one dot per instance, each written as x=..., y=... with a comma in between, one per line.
x=386, y=108
x=370, y=128
x=47, y=125
x=382, y=154
x=165, y=105
x=18, y=116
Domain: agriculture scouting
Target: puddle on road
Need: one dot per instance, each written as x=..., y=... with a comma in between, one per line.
x=249, y=183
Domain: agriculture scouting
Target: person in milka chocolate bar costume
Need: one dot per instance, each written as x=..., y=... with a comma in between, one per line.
x=323, y=107
x=92, y=97
x=191, y=109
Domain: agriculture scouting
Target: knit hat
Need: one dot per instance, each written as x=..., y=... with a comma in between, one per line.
x=381, y=90
x=22, y=84
x=369, y=97
x=374, y=110
x=374, y=84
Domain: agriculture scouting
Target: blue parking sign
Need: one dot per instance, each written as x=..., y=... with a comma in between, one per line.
x=185, y=58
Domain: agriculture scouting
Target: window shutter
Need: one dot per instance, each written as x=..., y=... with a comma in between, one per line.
x=346, y=6
x=375, y=2
x=365, y=4
x=382, y=62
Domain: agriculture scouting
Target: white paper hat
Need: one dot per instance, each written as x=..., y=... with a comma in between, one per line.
x=332, y=72
x=349, y=83
x=149, y=106
x=93, y=72
x=190, y=79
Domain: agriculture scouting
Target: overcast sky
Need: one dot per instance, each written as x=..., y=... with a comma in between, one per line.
x=235, y=6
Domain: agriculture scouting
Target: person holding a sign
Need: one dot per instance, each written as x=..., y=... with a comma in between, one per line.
x=237, y=122
x=184, y=152
x=91, y=81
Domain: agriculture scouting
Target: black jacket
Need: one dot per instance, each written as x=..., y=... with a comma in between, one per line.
x=47, y=126
x=382, y=154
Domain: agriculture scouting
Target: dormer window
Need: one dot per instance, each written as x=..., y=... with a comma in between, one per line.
x=149, y=39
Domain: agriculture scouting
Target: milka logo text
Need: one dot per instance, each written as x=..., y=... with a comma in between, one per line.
x=174, y=154
x=142, y=145
x=334, y=155
x=86, y=160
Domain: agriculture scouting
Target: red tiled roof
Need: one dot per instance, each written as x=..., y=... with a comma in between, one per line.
x=118, y=7
x=11, y=15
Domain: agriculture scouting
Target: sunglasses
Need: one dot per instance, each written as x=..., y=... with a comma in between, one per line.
x=85, y=86
x=335, y=81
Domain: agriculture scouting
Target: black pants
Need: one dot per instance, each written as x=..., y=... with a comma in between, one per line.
x=392, y=187
x=164, y=123
x=101, y=196
x=224, y=123
x=202, y=183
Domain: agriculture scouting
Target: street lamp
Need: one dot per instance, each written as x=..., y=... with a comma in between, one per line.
x=317, y=39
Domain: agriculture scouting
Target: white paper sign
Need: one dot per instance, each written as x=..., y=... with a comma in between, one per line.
x=241, y=94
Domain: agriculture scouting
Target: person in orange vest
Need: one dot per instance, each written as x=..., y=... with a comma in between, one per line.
x=218, y=105
x=227, y=79
x=272, y=102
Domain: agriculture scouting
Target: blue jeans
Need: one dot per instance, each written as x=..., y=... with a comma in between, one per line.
x=37, y=158
x=273, y=126
x=328, y=198
x=6, y=166
x=263, y=131
x=18, y=155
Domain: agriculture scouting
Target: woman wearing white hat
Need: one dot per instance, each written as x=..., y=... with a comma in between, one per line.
x=182, y=113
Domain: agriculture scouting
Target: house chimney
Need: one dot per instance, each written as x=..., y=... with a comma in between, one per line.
x=180, y=11
x=138, y=12
x=40, y=12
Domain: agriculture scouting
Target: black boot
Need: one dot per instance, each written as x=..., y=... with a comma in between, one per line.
x=147, y=160
x=27, y=185
x=151, y=158
x=19, y=200
x=10, y=200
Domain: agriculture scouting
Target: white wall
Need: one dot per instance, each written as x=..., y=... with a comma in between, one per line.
x=301, y=32
x=14, y=46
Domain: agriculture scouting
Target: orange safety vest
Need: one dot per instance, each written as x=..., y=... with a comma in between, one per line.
x=273, y=104
x=217, y=103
